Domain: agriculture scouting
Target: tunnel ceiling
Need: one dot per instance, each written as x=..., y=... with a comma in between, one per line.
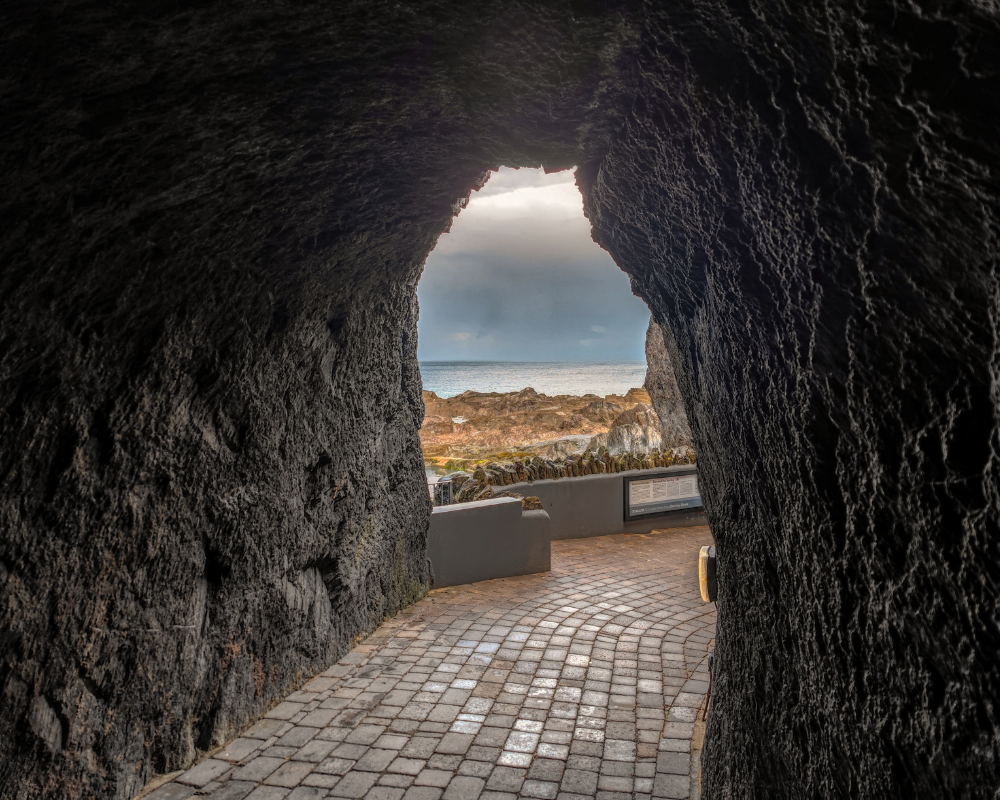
x=213, y=223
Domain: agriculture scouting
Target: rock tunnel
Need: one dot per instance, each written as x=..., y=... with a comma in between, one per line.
x=213, y=221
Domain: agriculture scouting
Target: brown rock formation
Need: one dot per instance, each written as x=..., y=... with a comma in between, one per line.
x=634, y=431
x=664, y=393
x=474, y=425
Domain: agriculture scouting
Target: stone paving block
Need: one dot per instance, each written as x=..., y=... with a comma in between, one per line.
x=395, y=779
x=257, y=769
x=279, y=752
x=540, y=789
x=264, y=729
x=320, y=780
x=579, y=782
x=319, y=718
x=511, y=759
x=238, y=749
x=492, y=737
x=269, y=793
x=433, y=777
x=506, y=779
x=172, y=791
x=682, y=714
x=419, y=747
x=615, y=783
x=314, y=751
x=407, y=766
x=548, y=750
x=621, y=769
x=232, y=790
x=455, y=743
x=674, y=763
x=556, y=685
x=546, y=769
x=335, y=766
x=205, y=772
x=384, y=793
x=619, y=750
x=423, y=793
x=365, y=734
x=477, y=769
x=444, y=761
x=354, y=784
x=481, y=753
x=375, y=760
x=290, y=774
x=306, y=793
x=674, y=787
x=284, y=711
x=350, y=751
x=675, y=745
x=521, y=742
x=297, y=736
x=464, y=787
x=678, y=730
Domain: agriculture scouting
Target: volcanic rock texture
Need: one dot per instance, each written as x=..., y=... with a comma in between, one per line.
x=665, y=394
x=213, y=222
x=808, y=201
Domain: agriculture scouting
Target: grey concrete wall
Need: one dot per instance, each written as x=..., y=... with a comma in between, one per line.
x=488, y=539
x=593, y=505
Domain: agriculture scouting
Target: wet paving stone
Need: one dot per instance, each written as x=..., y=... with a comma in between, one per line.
x=583, y=682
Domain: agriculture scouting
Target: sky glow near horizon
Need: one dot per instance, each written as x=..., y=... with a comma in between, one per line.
x=518, y=278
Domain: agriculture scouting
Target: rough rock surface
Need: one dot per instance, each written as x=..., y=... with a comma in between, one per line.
x=817, y=231
x=460, y=430
x=664, y=393
x=634, y=431
x=213, y=222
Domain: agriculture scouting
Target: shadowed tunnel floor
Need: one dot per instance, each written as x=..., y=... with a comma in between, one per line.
x=577, y=683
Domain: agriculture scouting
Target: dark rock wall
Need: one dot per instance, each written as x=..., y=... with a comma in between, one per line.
x=807, y=197
x=213, y=222
x=668, y=403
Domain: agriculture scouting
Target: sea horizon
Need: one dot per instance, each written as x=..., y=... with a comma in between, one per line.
x=450, y=378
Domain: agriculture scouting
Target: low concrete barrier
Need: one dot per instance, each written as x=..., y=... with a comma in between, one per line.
x=487, y=539
x=593, y=505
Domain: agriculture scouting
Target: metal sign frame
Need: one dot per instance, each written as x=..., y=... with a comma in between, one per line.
x=630, y=479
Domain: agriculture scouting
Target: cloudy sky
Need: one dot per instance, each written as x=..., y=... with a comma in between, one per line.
x=518, y=278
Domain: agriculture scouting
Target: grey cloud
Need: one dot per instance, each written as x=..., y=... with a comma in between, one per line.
x=527, y=288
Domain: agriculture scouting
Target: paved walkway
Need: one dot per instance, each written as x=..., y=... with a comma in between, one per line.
x=578, y=683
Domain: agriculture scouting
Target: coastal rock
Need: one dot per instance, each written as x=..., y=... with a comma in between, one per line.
x=634, y=396
x=477, y=425
x=664, y=393
x=457, y=479
x=602, y=410
x=634, y=431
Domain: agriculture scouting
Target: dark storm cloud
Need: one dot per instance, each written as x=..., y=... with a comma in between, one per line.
x=518, y=278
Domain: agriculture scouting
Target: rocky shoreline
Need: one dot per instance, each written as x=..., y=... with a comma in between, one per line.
x=472, y=428
x=485, y=440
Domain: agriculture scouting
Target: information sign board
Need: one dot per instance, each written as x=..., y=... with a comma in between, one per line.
x=660, y=494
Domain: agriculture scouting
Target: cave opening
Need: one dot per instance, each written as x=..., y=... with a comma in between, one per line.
x=531, y=343
x=214, y=226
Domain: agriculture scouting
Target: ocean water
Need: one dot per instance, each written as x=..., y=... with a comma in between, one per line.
x=448, y=378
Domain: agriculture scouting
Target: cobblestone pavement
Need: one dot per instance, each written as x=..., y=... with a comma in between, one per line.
x=577, y=683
